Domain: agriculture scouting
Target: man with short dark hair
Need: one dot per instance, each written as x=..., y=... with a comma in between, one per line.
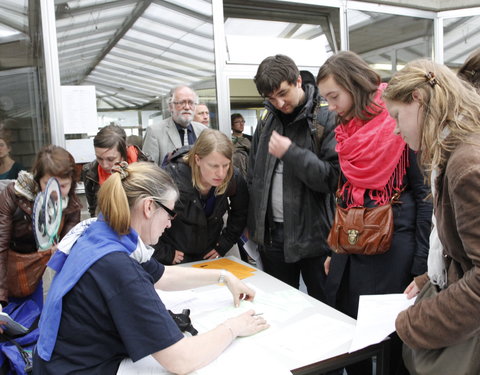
x=176, y=131
x=242, y=144
x=292, y=175
x=238, y=126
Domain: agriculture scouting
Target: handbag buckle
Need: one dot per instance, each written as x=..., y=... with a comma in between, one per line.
x=352, y=236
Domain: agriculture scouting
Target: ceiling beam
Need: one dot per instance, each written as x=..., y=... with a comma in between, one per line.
x=197, y=57
x=68, y=26
x=290, y=30
x=64, y=11
x=146, y=71
x=173, y=67
x=310, y=34
x=184, y=11
x=177, y=26
x=147, y=79
x=137, y=12
x=14, y=25
x=79, y=34
x=171, y=39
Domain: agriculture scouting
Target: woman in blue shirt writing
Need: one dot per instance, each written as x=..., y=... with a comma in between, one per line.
x=102, y=306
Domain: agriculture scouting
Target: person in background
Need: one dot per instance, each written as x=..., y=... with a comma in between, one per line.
x=209, y=188
x=134, y=140
x=202, y=115
x=103, y=307
x=375, y=166
x=16, y=206
x=470, y=70
x=292, y=174
x=438, y=115
x=9, y=168
x=176, y=131
x=238, y=126
x=242, y=143
x=110, y=145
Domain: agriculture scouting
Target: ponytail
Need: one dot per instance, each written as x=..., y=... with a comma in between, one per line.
x=129, y=184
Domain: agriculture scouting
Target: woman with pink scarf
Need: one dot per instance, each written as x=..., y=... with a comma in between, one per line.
x=376, y=164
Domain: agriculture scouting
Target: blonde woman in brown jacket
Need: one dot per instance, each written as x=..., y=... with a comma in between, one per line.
x=438, y=115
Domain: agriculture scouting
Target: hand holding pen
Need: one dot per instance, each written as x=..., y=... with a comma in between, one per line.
x=239, y=290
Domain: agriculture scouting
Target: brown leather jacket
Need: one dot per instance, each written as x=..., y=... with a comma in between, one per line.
x=16, y=231
x=454, y=314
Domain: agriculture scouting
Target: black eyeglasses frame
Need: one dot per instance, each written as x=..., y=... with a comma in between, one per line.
x=171, y=213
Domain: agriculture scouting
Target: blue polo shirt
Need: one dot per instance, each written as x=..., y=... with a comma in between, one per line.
x=111, y=313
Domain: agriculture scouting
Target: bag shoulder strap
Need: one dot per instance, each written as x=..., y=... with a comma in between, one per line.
x=316, y=128
x=265, y=118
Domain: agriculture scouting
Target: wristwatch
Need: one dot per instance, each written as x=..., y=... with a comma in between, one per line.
x=221, y=279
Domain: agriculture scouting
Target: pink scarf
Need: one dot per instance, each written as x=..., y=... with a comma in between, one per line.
x=371, y=157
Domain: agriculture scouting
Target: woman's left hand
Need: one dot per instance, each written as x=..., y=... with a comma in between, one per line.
x=212, y=254
x=238, y=289
x=412, y=290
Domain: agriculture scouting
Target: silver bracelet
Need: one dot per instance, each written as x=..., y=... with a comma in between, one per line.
x=221, y=279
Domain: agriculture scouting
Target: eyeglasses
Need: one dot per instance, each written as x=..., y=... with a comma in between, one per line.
x=171, y=214
x=183, y=103
x=239, y=122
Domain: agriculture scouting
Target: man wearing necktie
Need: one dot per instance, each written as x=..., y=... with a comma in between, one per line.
x=176, y=131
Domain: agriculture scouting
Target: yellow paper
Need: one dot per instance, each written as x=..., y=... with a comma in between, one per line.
x=239, y=270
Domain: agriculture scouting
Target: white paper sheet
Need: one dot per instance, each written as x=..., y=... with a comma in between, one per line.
x=310, y=339
x=376, y=318
x=252, y=250
x=235, y=360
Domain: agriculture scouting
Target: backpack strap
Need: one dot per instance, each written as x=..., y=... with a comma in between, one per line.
x=265, y=117
x=316, y=128
x=175, y=154
x=26, y=356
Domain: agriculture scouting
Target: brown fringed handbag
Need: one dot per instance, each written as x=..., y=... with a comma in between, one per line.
x=25, y=271
x=362, y=230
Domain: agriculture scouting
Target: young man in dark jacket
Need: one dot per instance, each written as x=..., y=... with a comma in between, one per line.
x=292, y=175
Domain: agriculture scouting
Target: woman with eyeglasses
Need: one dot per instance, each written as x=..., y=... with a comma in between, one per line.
x=209, y=187
x=102, y=307
x=111, y=147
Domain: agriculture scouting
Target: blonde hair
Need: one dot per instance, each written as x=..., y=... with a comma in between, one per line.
x=121, y=191
x=210, y=140
x=447, y=103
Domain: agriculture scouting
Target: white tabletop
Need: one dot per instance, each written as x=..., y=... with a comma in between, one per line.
x=303, y=330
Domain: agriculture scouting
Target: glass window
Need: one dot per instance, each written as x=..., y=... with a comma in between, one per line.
x=22, y=114
x=460, y=39
x=386, y=41
x=134, y=54
x=308, y=34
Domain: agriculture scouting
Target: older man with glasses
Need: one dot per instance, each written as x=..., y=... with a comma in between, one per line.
x=176, y=131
